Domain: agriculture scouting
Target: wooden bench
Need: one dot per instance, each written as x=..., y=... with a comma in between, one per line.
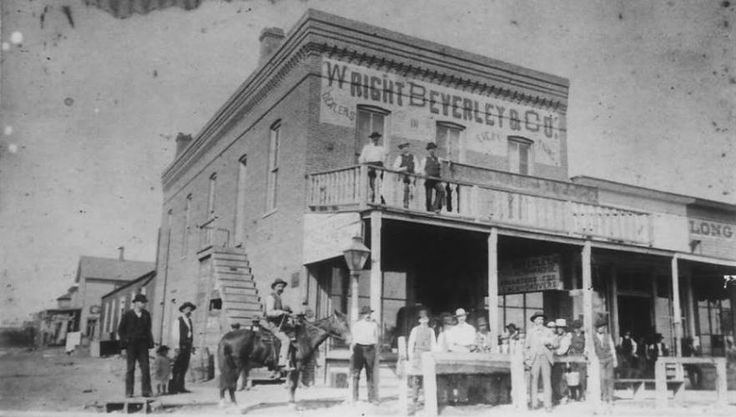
x=446, y=363
x=638, y=385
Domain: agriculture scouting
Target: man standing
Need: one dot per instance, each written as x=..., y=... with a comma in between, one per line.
x=562, y=340
x=605, y=350
x=277, y=315
x=182, y=336
x=431, y=167
x=405, y=163
x=365, y=342
x=539, y=357
x=136, y=338
x=577, y=348
x=461, y=337
x=629, y=347
x=421, y=339
x=373, y=155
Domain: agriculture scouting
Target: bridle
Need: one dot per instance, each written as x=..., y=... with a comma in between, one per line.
x=329, y=333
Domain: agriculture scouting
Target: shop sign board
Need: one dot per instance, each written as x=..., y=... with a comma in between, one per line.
x=417, y=105
x=712, y=238
x=537, y=273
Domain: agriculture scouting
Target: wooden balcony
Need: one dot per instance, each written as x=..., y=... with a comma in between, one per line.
x=352, y=188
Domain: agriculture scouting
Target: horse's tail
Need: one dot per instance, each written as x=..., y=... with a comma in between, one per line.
x=228, y=367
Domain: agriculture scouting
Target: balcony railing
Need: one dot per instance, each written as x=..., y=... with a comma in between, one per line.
x=358, y=187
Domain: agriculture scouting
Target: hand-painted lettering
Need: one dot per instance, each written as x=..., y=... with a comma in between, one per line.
x=433, y=102
x=333, y=72
x=456, y=107
x=531, y=121
x=375, y=89
x=416, y=95
x=514, y=120
x=446, y=101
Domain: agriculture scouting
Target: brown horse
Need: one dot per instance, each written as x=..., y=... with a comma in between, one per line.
x=241, y=350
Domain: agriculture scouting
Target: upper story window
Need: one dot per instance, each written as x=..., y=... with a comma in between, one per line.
x=449, y=141
x=369, y=119
x=187, y=225
x=211, y=196
x=273, y=166
x=520, y=155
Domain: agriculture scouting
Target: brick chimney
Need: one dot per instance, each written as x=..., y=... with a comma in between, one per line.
x=121, y=253
x=182, y=141
x=270, y=39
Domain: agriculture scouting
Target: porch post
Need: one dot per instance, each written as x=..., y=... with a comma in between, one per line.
x=594, y=382
x=616, y=333
x=676, y=311
x=493, y=323
x=376, y=289
x=690, y=317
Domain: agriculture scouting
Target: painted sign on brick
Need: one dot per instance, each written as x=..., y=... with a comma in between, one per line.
x=536, y=273
x=416, y=106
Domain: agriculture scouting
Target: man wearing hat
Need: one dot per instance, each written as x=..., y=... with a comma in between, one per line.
x=365, y=341
x=277, y=314
x=182, y=337
x=373, y=155
x=577, y=348
x=605, y=350
x=538, y=355
x=407, y=163
x=461, y=337
x=431, y=167
x=562, y=340
x=136, y=338
x=421, y=339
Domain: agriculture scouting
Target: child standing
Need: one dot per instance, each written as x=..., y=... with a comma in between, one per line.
x=162, y=369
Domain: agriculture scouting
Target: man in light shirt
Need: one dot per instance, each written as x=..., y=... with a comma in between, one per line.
x=365, y=343
x=461, y=337
x=182, y=338
x=538, y=356
x=373, y=155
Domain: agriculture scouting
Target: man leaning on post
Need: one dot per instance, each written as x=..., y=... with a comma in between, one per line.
x=136, y=338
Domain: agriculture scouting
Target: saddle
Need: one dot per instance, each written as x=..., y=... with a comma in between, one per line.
x=273, y=344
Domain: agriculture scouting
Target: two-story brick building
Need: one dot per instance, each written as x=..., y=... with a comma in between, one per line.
x=270, y=188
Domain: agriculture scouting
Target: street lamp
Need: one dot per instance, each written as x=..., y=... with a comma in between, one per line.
x=355, y=256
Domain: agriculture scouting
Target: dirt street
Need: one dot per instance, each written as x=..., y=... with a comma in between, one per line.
x=49, y=381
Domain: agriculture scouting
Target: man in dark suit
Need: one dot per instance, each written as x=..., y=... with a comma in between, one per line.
x=136, y=337
x=183, y=338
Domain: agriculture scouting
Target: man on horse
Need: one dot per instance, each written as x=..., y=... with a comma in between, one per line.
x=277, y=319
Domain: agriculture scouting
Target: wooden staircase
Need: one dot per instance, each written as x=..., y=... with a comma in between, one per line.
x=234, y=281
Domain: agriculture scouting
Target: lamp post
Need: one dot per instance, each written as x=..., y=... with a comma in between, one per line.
x=355, y=256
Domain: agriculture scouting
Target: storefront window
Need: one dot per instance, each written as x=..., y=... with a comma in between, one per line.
x=518, y=308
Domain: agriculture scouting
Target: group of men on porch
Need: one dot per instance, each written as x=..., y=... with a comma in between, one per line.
x=374, y=155
x=545, y=348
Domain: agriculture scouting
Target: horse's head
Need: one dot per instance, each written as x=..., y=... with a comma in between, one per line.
x=337, y=325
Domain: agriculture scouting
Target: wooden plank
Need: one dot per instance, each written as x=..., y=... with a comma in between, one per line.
x=430, y=384
x=403, y=377
x=676, y=311
x=493, y=320
x=660, y=385
x=721, y=382
x=594, y=382
x=470, y=368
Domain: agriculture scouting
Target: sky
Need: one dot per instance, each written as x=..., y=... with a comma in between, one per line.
x=90, y=105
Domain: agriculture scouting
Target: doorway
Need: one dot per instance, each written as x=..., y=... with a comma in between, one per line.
x=634, y=315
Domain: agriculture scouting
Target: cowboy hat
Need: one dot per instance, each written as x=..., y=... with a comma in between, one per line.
x=187, y=304
x=403, y=145
x=460, y=312
x=561, y=323
x=537, y=314
x=431, y=145
x=365, y=310
x=279, y=281
x=375, y=135
x=140, y=297
x=552, y=325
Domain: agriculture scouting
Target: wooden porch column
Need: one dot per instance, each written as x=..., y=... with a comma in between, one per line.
x=676, y=311
x=616, y=331
x=376, y=288
x=690, y=299
x=594, y=382
x=493, y=323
